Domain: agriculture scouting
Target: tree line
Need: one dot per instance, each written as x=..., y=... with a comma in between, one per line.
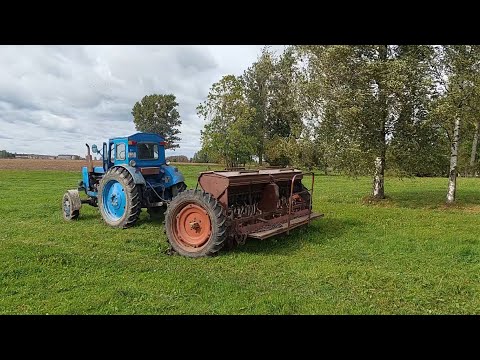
x=4, y=154
x=410, y=110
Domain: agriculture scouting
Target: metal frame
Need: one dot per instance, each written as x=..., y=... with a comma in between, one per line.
x=290, y=199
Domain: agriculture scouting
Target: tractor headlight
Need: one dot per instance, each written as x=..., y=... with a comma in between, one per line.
x=132, y=154
x=167, y=162
x=132, y=163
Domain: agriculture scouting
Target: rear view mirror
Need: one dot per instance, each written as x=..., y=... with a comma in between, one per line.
x=95, y=149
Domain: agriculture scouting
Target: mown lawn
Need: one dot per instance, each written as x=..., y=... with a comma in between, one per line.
x=406, y=255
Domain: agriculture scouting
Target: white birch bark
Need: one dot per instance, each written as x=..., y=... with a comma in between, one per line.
x=473, y=155
x=452, y=177
x=378, y=179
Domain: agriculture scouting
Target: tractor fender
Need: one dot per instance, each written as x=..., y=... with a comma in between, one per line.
x=136, y=174
x=172, y=175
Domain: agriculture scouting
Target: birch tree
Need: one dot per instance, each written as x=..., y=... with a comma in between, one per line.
x=363, y=91
x=458, y=75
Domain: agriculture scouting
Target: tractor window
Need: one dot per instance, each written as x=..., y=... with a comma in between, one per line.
x=112, y=157
x=120, y=151
x=147, y=151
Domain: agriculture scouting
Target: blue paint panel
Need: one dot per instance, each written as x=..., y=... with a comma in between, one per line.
x=172, y=175
x=86, y=183
x=146, y=137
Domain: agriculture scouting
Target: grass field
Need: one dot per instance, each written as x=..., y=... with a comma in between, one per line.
x=407, y=255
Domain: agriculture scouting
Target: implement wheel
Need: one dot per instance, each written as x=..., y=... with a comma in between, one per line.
x=119, y=198
x=195, y=224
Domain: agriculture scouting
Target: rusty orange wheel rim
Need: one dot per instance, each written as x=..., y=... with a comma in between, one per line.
x=193, y=226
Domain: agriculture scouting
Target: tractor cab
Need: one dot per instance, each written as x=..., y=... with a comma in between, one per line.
x=140, y=150
x=140, y=157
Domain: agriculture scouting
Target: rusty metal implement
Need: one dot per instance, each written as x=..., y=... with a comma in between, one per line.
x=261, y=203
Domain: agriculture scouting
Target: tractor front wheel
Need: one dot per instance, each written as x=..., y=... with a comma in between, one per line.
x=71, y=205
x=195, y=224
x=119, y=198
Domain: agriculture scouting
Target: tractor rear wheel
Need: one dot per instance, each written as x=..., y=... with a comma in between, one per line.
x=119, y=198
x=195, y=224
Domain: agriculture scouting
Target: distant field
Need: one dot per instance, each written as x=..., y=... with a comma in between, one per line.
x=407, y=255
x=40, y=164
x=65, y=165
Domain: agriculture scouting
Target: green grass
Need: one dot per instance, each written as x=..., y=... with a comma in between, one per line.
x=407, y=255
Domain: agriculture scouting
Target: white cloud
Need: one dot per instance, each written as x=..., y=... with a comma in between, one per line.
x=54, y=99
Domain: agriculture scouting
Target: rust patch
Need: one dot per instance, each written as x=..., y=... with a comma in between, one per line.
x=270, y=197
x=150, y=170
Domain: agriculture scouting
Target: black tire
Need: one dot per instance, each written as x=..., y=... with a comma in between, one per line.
x=178, y=188
x=299, y=187
x=216, y=216
x=68, y=207
x=133, y=199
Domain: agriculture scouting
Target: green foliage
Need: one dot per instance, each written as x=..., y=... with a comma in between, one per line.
x=417, y=146
x=226, y=137
x=201, y=156
x=158, y=114
x=302, y=153
x=257, y=80
x=406, y=255
x=338, y=107
x=374, y=101
x=4, y=154
x=309, y=155
x=280, y=151
x=271, y=87
x=458, y=96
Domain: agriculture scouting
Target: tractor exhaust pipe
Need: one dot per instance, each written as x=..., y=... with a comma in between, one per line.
x=89, y=160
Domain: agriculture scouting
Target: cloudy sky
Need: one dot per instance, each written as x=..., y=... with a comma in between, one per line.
x=53, y=99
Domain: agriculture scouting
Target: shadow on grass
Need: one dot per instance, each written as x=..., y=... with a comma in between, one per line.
x=429, y=199
x=144, y=217
x=157, y=219
x=319, y=232
x=88, y=216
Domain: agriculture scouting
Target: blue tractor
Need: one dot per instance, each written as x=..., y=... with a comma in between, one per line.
x=134, y=175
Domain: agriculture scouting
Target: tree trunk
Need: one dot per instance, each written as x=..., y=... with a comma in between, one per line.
x=452, y=177
x=474, y=149
x=378, y=179
x=260, y=160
